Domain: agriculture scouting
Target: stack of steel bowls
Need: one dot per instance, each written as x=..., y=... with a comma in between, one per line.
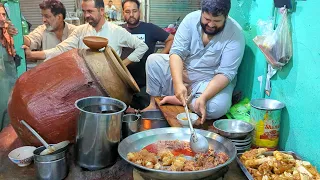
x=238, y=131
x=242, y=145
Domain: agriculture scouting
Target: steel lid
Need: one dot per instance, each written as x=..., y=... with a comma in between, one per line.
x=267, y=104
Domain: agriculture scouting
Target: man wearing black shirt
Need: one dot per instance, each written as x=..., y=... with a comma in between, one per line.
x=148, y=33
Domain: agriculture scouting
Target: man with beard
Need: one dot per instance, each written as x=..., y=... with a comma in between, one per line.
x=53, y=31
x=148, y=33
x=204, y=60
x=93, y=11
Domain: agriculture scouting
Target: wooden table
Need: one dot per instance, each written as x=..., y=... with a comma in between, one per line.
x=119, y=171
x=170, y=113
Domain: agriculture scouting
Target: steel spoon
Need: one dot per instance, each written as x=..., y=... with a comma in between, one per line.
x=56, y=147
x=198, y=143
x=37, y=135
x=49, y=149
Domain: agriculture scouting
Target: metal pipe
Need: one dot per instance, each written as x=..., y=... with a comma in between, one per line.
x=147, y=10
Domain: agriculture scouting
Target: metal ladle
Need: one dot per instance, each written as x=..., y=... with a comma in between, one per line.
x=198, y=143
x=49, y=149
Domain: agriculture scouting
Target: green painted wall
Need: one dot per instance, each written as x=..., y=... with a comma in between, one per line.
x=297, y=84
x=247, y=13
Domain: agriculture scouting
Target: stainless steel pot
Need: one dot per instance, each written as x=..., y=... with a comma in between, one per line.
x=52, y=166
x=98, y=131
x=139, y=140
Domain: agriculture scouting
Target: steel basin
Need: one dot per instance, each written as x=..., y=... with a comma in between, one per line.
x=139, y=140
x=233, y=129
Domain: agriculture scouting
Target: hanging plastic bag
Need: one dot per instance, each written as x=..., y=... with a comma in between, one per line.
x=277, y=46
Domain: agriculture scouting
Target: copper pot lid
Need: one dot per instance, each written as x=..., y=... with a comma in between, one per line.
x=95, y=43
x=121, y=69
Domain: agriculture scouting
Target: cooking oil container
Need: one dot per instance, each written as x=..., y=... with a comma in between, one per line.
x=265, y=116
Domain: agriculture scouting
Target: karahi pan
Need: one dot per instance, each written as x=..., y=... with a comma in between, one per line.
x=140, y=140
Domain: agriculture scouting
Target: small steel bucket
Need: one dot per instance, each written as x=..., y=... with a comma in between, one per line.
x=52, y=166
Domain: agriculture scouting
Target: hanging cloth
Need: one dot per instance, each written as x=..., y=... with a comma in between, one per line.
x=7, y=41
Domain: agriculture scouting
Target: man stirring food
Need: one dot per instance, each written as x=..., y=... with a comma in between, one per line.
x=204, y=59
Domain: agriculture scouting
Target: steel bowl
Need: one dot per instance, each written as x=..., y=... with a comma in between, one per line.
x=247, y=139
x=267, y=104
x=242, y=144
x=139, y=140
x=244, y=147
x=233, y=129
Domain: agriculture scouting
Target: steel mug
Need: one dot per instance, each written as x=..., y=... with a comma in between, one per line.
x=130, y=124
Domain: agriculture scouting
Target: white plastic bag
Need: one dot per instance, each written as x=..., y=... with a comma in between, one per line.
x=277, y=46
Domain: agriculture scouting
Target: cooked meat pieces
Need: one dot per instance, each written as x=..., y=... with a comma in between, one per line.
x=254, y=163
x=255, y=173
x=222, y=157
x=283, y=157
x=252, y=154
x=178, y=163
x=143, y=158
x=280, y=166
x=189, y=166
x=165, y=158
x=210, y=160
x=265, y=168
x=165, y=153
x=172, y=145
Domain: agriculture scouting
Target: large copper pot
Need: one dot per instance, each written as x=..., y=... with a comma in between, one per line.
x=44, y=96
